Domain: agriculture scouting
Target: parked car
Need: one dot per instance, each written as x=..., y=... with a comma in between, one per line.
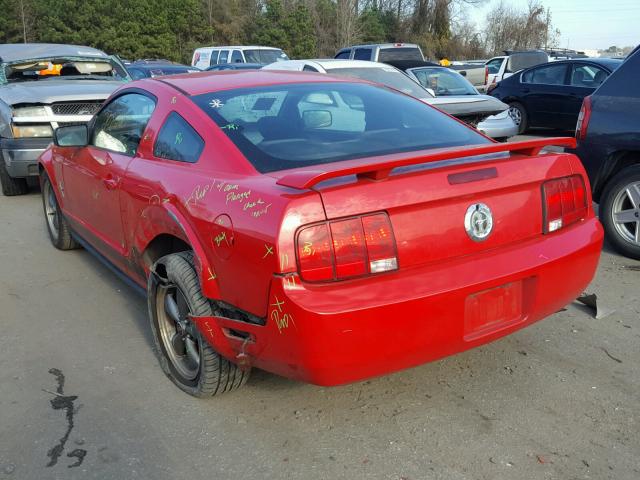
x=381, y=52
x=155, y=68
x=281, y=221
x=207, y=56
x=501, y=67
x=475, y=73
x=608, y=133
x=444, y=82
x=550, y=95
x=468, y=109
x=42, y=87
x=235, y=66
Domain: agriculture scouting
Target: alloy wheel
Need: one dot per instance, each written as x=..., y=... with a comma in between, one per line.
x=625, y=213
x=516, y=115
x=177, y=332
x=51, y=210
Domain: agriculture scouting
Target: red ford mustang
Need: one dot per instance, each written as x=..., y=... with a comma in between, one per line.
x=328, y=230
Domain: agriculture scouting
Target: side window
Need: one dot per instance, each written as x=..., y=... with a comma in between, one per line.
x=136, y=73
x=343, y=54
x=236, y=57
x=588, y=76
x=214, y=57
x=494, y=65
x=178, y=141
x=362, y=54
x=119, y=126
x=309, y=68
x=224, y=56
x=547, y=75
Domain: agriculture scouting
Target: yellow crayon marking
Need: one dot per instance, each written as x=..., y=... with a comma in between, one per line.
x=284, y=261
x=269, y=250
x=212, y=275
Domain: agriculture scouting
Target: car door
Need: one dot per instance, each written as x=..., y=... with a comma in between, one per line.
x=584, y=78
x=92, y=179
x=543, y=92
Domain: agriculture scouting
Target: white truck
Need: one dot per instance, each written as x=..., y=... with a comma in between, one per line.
x=506, y=65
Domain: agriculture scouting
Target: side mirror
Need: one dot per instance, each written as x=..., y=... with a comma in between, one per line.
x=71, y=136
x=317, y=118
x=431, y=91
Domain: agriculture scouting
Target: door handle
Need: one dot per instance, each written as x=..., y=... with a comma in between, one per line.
x=110, y=182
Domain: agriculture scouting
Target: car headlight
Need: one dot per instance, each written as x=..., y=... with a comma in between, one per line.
x=30, y=112
x=31, y=131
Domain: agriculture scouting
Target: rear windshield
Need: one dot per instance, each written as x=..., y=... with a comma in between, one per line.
x=296, y=125
x=399, y=53
x=387, y=76
x=265, y=56
x=519, y=61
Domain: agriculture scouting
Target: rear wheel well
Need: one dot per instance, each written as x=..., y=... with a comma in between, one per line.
x=620, y=161
x=162, y=245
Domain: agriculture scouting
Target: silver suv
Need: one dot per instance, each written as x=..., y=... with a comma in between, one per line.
x=42, y=87
x=381, y=52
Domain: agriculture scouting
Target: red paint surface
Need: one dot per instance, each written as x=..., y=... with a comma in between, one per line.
x=342, y=331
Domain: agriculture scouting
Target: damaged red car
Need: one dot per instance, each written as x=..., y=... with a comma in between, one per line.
x=324, y=229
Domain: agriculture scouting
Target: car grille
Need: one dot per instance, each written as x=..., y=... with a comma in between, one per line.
x=472, y=120
x=76, y=108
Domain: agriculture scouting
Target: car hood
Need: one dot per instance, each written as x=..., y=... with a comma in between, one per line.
x=51, y=91
x=465, y=105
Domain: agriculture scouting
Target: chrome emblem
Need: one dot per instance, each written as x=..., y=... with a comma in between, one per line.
x=478, y=222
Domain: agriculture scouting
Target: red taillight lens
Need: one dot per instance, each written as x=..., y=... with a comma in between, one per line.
x=486, y=75
x=315, y=254
x=348, y=248
x=565, y=202
x=583, y=119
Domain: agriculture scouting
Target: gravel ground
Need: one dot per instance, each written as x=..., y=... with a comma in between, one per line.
x=559, y=400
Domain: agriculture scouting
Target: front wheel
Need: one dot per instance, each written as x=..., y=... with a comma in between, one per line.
x=185, y=357
x=620, y=211
x=57, y=226
x=519, y=116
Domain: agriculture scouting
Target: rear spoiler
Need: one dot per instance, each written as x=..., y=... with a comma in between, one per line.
x=378, y=170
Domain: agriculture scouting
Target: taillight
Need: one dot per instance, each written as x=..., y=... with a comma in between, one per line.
x=491, y=87
x=348, y=248
x=583, y=119
x=564, y=202
x=486, y=75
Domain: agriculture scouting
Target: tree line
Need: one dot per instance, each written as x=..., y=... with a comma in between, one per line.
x=172, y=29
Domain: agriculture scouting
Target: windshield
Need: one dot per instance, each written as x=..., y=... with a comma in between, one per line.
x=296, y=125
x=264, y=56
x=387, y=76
x=68, y=68
x=443, y=81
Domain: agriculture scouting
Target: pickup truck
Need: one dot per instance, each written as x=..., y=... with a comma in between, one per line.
x=381, y=52
x=43, y=87
x=499, y=68
x=475, y=73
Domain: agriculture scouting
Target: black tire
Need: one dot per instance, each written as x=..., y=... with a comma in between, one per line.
x=11, y=186
x=215, y=374
x=519, y=116
x=615, y=198
x=57, y=226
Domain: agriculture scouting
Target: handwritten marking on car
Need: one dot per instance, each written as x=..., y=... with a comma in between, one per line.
x=280, y=317
x=284, y=261
x=212, y=275
x=269, y=251
x=308, y=249
x=221, y=237
x=231, y=126
x=174, y=100
x=216, y=103
x=238, y=197
x=249, y=205
x=262, y=211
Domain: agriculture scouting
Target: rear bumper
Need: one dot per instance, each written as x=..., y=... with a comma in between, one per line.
x=336, y=334
x=20, y=156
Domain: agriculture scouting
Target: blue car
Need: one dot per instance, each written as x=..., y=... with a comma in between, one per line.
x=550, y=95
x=156, y=68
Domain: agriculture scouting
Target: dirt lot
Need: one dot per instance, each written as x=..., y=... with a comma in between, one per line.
x=559, y=400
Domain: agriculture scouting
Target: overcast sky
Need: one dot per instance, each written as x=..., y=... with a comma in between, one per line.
x=584, y=23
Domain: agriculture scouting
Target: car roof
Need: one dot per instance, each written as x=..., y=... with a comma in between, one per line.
x=205, y=82
x=240, y=47
x=331, y=63
x=13, y=52
x=610, y=63
x=385, y=45
x=164, y=66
